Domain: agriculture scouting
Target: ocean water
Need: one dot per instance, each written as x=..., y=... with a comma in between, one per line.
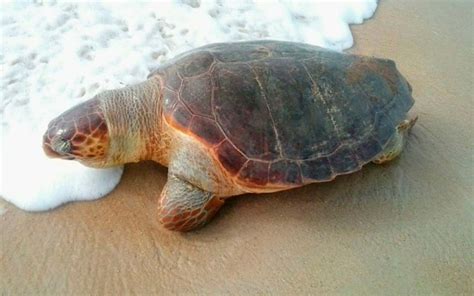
x=55, y=55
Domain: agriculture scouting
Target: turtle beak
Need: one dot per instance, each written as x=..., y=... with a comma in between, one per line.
x=47, y=147
x=49, y=152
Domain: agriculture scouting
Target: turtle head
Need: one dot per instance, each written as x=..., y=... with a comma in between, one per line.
x=80, y=134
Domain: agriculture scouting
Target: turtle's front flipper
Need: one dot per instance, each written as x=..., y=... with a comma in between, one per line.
x=183, y=206
x=397, y=142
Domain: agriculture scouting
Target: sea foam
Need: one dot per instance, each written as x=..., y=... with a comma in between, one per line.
x=54, y=56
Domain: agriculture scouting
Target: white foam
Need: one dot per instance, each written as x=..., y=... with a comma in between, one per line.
x=54, y=56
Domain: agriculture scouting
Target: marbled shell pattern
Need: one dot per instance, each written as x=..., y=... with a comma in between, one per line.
x=284, y=113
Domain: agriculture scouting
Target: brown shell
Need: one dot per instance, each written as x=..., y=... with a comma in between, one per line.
x=282, y=113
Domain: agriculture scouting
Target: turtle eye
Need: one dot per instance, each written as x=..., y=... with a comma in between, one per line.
x=60, y=145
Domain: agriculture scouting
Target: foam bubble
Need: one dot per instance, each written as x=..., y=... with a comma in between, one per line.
x=34, y=182
x=56, y=55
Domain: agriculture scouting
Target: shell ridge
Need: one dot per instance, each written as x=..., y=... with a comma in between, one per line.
x=213, y=110
x=315, y=86
x=277, y=136
x=223, y=69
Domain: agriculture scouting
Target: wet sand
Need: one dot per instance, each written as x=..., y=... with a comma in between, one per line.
x=399, y=229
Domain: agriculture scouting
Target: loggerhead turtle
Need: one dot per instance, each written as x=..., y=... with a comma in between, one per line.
x=245, y=117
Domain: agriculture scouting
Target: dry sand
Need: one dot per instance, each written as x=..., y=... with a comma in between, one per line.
x=399, y=229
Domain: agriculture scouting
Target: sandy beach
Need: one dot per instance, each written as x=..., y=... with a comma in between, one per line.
x=404, y=228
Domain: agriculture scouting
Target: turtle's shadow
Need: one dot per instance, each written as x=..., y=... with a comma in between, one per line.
x=368, y=200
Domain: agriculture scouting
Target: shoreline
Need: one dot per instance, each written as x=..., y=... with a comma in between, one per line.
x=401, y=228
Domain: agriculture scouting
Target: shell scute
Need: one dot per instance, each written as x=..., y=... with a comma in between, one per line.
x=196, y=94
x=230, y=158
x=292, y=49
x=207, y=129
x=173, y=80
x=372, y=72
x=285, y=172
x=243, y=53
x=368, y=149
x=170, y=99
x=197, y=64
x=255, y=172
x=383, y=128
x=317, y=169
x=343, y=161
x=182, y=116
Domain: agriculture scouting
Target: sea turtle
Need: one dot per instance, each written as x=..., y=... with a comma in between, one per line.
x=244, y=117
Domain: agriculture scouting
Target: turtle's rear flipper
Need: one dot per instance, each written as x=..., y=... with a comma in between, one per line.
x=183, y=206
x=407, y=124
x=396, y=144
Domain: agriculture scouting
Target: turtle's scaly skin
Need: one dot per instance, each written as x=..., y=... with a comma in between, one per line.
x=232, y=118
